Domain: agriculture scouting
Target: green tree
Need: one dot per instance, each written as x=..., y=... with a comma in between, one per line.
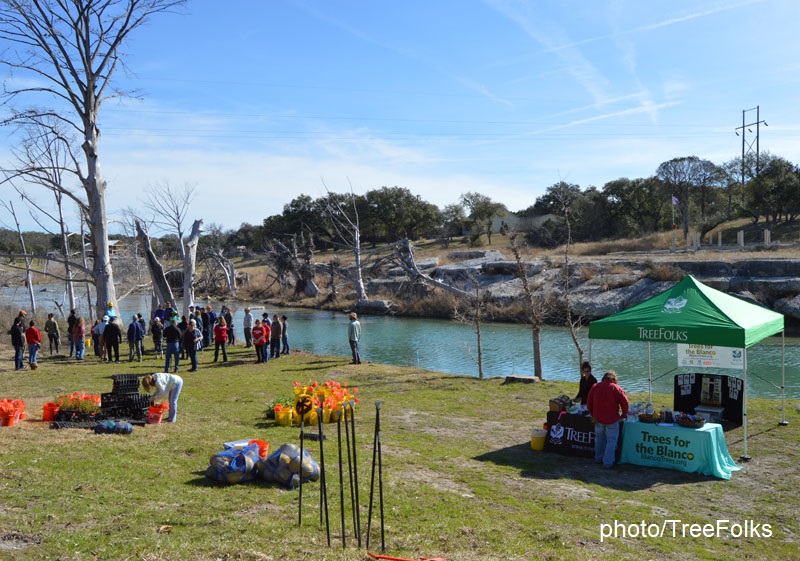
x=482, y=210
x=399, y=214
x=302, y=215
x=636, y=206
x=684, y=178
x=775, y=193
x=452, y=221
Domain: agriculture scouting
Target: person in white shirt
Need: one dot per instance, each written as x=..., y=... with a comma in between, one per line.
x=247, y=323
x=165, y=385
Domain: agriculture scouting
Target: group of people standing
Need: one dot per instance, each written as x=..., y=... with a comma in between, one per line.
x=26, y=336
x=174, y=338
x=269, y=336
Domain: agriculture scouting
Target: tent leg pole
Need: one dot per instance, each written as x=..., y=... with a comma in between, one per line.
x=649, y=375
x=745, y=457
x=783, y=421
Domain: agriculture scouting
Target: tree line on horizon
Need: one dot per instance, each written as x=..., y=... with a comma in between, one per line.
x=686, y=193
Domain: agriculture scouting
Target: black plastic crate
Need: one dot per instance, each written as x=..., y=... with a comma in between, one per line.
x=128, y=401
x=133, y=413
x=125, y=383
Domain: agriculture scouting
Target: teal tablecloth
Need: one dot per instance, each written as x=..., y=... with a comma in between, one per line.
x=700, y=450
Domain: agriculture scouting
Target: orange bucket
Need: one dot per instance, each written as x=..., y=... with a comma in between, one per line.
x=9, y=420
x=263, y=447
x=49, y=412
x=156, y=413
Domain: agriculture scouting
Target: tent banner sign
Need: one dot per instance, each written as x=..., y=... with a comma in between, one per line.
x=710, y=356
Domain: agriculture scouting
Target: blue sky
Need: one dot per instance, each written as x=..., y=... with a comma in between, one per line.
x=256, y=102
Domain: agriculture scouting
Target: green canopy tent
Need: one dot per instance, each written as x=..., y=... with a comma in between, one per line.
x=693, y=313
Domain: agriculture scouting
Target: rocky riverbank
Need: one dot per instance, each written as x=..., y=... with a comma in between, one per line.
x=601, y=287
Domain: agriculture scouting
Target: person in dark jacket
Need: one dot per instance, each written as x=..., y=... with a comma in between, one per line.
x=228, y=315
x=71, y=319
x=157, y=331
x=284, y=335
x=143, y=323
x=135, y=336
x=275, y=337
x=208, y=325
x=18, y=342
x=587, y=381
x=172, y=338
x=113, y=337
x=192, y=339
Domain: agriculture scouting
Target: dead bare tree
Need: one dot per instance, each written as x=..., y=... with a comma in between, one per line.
x=536, y=306
x=28, y=261
x=572, y=323
x=216, y=262
x=345, y=224
x=472, y=311
x=46, y=158
x=295, y=260
x=66, y=54
x=472, y=305
x=169, y=206
x=190, y=265
x=157, y=275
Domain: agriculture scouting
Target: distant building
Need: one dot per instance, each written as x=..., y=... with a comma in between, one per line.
x=117, y=247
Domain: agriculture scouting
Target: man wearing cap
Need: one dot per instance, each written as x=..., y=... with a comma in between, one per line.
x=18, y=342
x=111, y=312
x=157, y=331
x=21, y=318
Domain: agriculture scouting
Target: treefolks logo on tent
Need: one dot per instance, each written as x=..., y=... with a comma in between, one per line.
x=674, y=305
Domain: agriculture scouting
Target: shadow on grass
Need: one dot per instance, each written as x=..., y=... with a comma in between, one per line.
x=551, y=466
x=754, y=435
x=202, y=481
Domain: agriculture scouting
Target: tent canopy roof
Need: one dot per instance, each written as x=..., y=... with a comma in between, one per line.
x=691, y=312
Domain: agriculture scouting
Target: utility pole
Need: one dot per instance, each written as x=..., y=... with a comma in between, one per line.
x=747, y=147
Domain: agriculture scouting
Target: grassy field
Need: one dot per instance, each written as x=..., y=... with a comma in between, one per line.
x=460, y=480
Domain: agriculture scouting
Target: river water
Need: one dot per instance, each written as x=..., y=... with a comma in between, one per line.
x=450, y=347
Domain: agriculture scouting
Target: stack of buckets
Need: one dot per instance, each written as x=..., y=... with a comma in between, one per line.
x=537, y=438
x=11, y=411
x=156, y=413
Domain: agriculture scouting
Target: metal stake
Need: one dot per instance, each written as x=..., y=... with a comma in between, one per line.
x=323, y=484
x=341, y=476
x=376, y=453
x=355, y=470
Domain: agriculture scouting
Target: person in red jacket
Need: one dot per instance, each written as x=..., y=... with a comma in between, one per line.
x=606, y=401
x=34, y=339
x=259, y=338
x=221, y=339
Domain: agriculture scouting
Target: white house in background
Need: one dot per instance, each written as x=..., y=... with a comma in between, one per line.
x=522, y=223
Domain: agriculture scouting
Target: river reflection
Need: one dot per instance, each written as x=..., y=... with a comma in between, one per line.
x=450, y=347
